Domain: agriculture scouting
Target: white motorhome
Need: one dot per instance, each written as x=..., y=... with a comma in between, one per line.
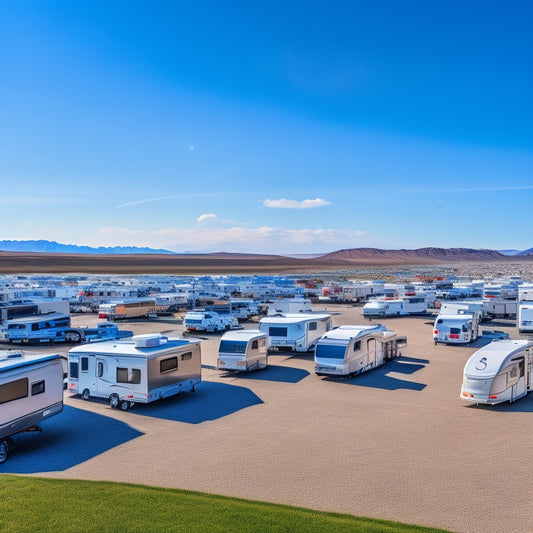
x=31, y=389
x=456, y=329
x=297, y=332
x=350, y=350
x=209, y=321
x=140, y=369
x=38, y=329
x=289, y=305
x=461, y=307
x=525, y=317
x=242, y=350
x=499, y=372
x=499, y=307
x=383, y=307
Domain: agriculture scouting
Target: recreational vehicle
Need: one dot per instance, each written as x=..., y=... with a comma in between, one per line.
x=31, y=389
x=297, y=332
x=525, y=317
x=382, y=307
x=133, y=308
x=462, y=307
x=242, y=350
x=456, y=329
x=38, y=329
x=141, y=369
x=289, y=305
x=499, y=372
x=209, y=321
x=350, y=350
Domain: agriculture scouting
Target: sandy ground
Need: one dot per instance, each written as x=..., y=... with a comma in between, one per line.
x=396, y=443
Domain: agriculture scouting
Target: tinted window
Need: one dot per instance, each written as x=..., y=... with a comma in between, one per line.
x=84, y=364
x=232, y=346
x=277, y=332
x=73, y=370
x=167, y=365
x=14, y=390
x=37, y=388
x=324, y=351
x=312, y=326
x=186, y=356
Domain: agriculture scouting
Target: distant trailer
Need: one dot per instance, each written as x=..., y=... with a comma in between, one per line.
x=133, y=308
x=388, y=307
x=31, y=390
x=141, y=369
x=39, y=329
x=243, y=351
x=525, y=317
x=351, y=350
x=499, y=372
x=456, y=329
x=297, y=332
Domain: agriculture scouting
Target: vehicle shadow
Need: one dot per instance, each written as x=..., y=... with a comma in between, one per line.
x=211, y=401
x=379, y=378
x=523, y=405
x=281, y=374
x=67, y=439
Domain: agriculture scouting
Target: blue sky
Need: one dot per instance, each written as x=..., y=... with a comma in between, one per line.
x=286, y=127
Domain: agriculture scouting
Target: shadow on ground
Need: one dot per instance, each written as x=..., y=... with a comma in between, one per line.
x=67, y=439
x=378, y=378
x=211, y=401
x=524, y=405
x=281, y=374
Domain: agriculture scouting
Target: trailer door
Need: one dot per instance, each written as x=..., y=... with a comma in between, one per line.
x=102, y=380
x=371, y=350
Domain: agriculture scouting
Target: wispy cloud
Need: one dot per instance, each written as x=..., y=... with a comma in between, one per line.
x=262, y=239
x=208, y=216
x=283, y=203
x=173, y=197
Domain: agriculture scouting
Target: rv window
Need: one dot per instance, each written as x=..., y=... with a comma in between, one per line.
x=325, y=351
x=35, y=327
x=356, y=346
x=439, y=321
x=135, y=376
x=37, y=388
x=232, y=346
x=84, y=364
x=73, y=370
x=168, y=365
x=122, y=375
x=125, y=375
x=255, y=345
x=100, y=369
x=186, y=356
x=277, y=332
x=14, y=390
x=455, y=331
x=464, y=328
x=312, y=326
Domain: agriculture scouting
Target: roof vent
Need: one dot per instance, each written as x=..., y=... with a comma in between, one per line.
x=149, y=340
x=7, y=354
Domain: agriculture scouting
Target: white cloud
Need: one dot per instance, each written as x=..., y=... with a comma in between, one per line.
x=208, y=216
x=259, y=240
x=296, y=204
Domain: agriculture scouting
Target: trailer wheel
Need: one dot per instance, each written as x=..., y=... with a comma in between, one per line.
x=114, y=401
x=3, y=451
x=72, y=336
x=124, y=405
x=85, y=394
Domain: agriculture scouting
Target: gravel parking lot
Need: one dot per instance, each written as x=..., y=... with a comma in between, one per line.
x=396, y=443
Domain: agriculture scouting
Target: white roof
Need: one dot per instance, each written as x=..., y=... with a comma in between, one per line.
x=487, y=361
x=293, y=318
x=461, y=317
x=351, y=332
x=243, y=335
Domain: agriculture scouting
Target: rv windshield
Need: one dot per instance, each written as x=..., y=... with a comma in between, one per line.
x=327, y=351
x=232, y=346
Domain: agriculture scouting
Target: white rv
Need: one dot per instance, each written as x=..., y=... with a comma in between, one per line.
x=31, y=389
x=242, y=350
x=209, y=321
x=289, y=305
x=350, y=350
x=383, y=307
x=140, y=369
x=462, y=307
x=39, y=329
x=525, y=317
x=456, y=329
x=499, y=372
x=297, y=332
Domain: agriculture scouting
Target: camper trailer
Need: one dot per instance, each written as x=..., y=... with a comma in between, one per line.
x=289, y=305
x=296, y=332
x=242, y=350
x=350, y=350
x=39, y=329
x=462, y=307
x=525, y=317
x=383, y=307
x=209, y=321
x=131, y=308
x=499, y=372
x=456, y=329
x=140, y=369
x=31, y=389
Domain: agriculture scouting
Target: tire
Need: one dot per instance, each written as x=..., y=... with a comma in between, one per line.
x=10, y=445
x=85, y=394
x=72, y=336
x=3, y=451
x=114, y=401
x=124, y=405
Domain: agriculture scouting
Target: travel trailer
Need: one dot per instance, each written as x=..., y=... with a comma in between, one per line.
x=242, y=350
x=501, y=308
x=464, y=306
x=289, y=305
x=31, y=390
x=296, y=332
x=499, y=372
x=209, y=321
x=142, y=369
x=383, y=307
x=350, y=350
x=525, y=317
x=39, y=329
x=133, y=308
x=456, y=329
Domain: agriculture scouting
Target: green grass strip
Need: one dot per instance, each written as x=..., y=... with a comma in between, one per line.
x=42, y=505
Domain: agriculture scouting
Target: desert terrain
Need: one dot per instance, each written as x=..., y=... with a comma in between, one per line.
x=395, y=443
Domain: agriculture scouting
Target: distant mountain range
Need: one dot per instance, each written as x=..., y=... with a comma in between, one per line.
x=53, y=247
x=516, y=252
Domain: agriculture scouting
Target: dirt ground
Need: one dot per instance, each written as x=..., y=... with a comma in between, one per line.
x=395, y=443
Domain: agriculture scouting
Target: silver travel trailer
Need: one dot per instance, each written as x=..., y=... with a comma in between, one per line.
x=462, y=307
x=350, y=350
x=525, y=317
x=139, y=369
x=460, y=328
x=209, y=321
x=383, y=307
x=31, y=390
x=296, y=332
x=499, y=372
x=242, y=350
